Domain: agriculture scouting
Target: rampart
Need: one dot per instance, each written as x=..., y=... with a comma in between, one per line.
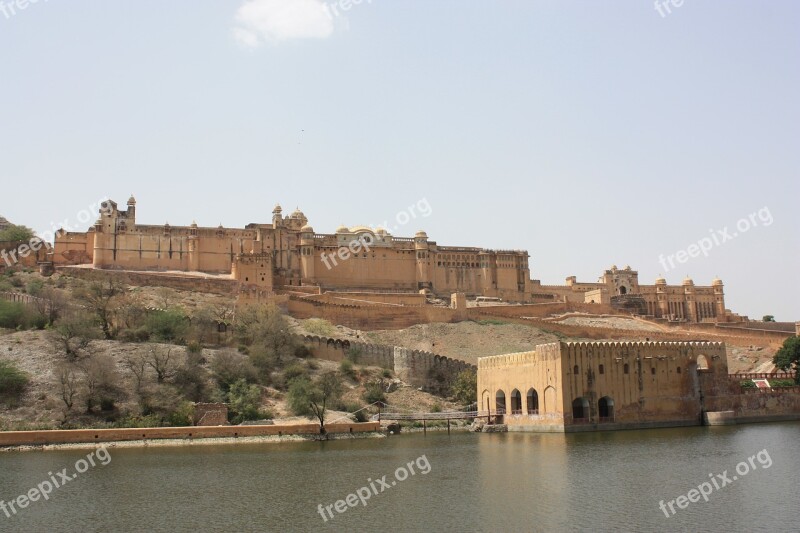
x=429, y=371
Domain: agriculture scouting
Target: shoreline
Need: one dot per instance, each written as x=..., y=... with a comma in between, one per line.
x=202, y=441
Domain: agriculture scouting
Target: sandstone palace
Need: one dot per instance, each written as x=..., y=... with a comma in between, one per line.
x=288, y=253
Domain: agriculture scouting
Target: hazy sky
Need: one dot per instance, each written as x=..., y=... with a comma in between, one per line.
x=588, y=133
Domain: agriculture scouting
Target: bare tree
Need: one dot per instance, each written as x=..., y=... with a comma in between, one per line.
x=102, y=298
x=68, y=386
x=161, y=360
x=100, y=378
x=136, y=364
x=73, y=335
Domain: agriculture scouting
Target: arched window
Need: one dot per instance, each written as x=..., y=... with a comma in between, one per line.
x=533, y=402
x=606, y=409
x=580, y=410
x=516, y=402
x=626, y=369
x=500, y=402
x=702, y=362
x=601, y=369
x=576, y=370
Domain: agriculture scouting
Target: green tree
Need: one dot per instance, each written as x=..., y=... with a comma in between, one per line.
x=787, y=358
x=16, y=233
x=769, y=318
x=169, y=325
x=465, y=387
x=267, y=328
x=244, y=401
x=307, y=397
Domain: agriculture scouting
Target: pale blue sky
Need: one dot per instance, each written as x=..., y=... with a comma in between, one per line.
x=588, y=133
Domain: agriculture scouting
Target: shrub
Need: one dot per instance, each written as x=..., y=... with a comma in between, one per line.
x=465, y=387
x=386, y=373
x=168, y=326
x=182, y=416
x=300, y=390
x=34, y=287
x=244, y=401
x=373, y=393
x=294, y=371
x=13, y=381
x=346, y=368
x=194, y=347
x=319, y=326
x=302, y=351
x=437, y=408
x=229, y=367
x=11, y=314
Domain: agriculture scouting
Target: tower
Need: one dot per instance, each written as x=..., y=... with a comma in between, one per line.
x=661, y=297
x=690, y=307
x=307, y=257
x=719, y=298
x=422, y=252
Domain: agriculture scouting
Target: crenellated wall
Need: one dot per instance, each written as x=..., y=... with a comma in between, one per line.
x=426, y=370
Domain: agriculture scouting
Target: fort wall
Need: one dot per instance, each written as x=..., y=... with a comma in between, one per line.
x=426, y=370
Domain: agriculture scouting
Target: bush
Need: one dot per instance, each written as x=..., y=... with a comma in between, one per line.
x=11, y=314
x=373, y=393
x=229, y=367
x=182, y=416
x=300, y=390
x=244, y=401
x=386, y=373
x=346, y=368
x=194, y=347
x=294, y=371
x=437, y=408
x=34, y=287
x=776, y=383
x=302, y=351
x=168, y=326
x=13, y=381
x=319, y=326
x=465, y=387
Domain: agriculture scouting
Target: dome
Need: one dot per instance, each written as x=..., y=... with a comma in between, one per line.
x=687, y=282
x=716, y=283
x=661, y=281
x=297, y=213
x=628, y=268
x=613, y=267
x=421, y=233
x=277, y=209
x=307, y=229
x=131, y=200
x=342, y=229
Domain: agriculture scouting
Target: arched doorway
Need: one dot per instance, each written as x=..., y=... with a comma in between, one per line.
x=500, y=402
x=499, y=406
x=702, y=362
x=533, y=401
x=516, y=402
x=580, y=410
x=623, y=290
x=606, y=409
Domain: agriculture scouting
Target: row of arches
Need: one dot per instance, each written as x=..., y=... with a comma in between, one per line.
x=581, y=411
x=531, y=402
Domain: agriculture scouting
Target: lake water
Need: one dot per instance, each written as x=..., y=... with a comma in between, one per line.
x=474, y=482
